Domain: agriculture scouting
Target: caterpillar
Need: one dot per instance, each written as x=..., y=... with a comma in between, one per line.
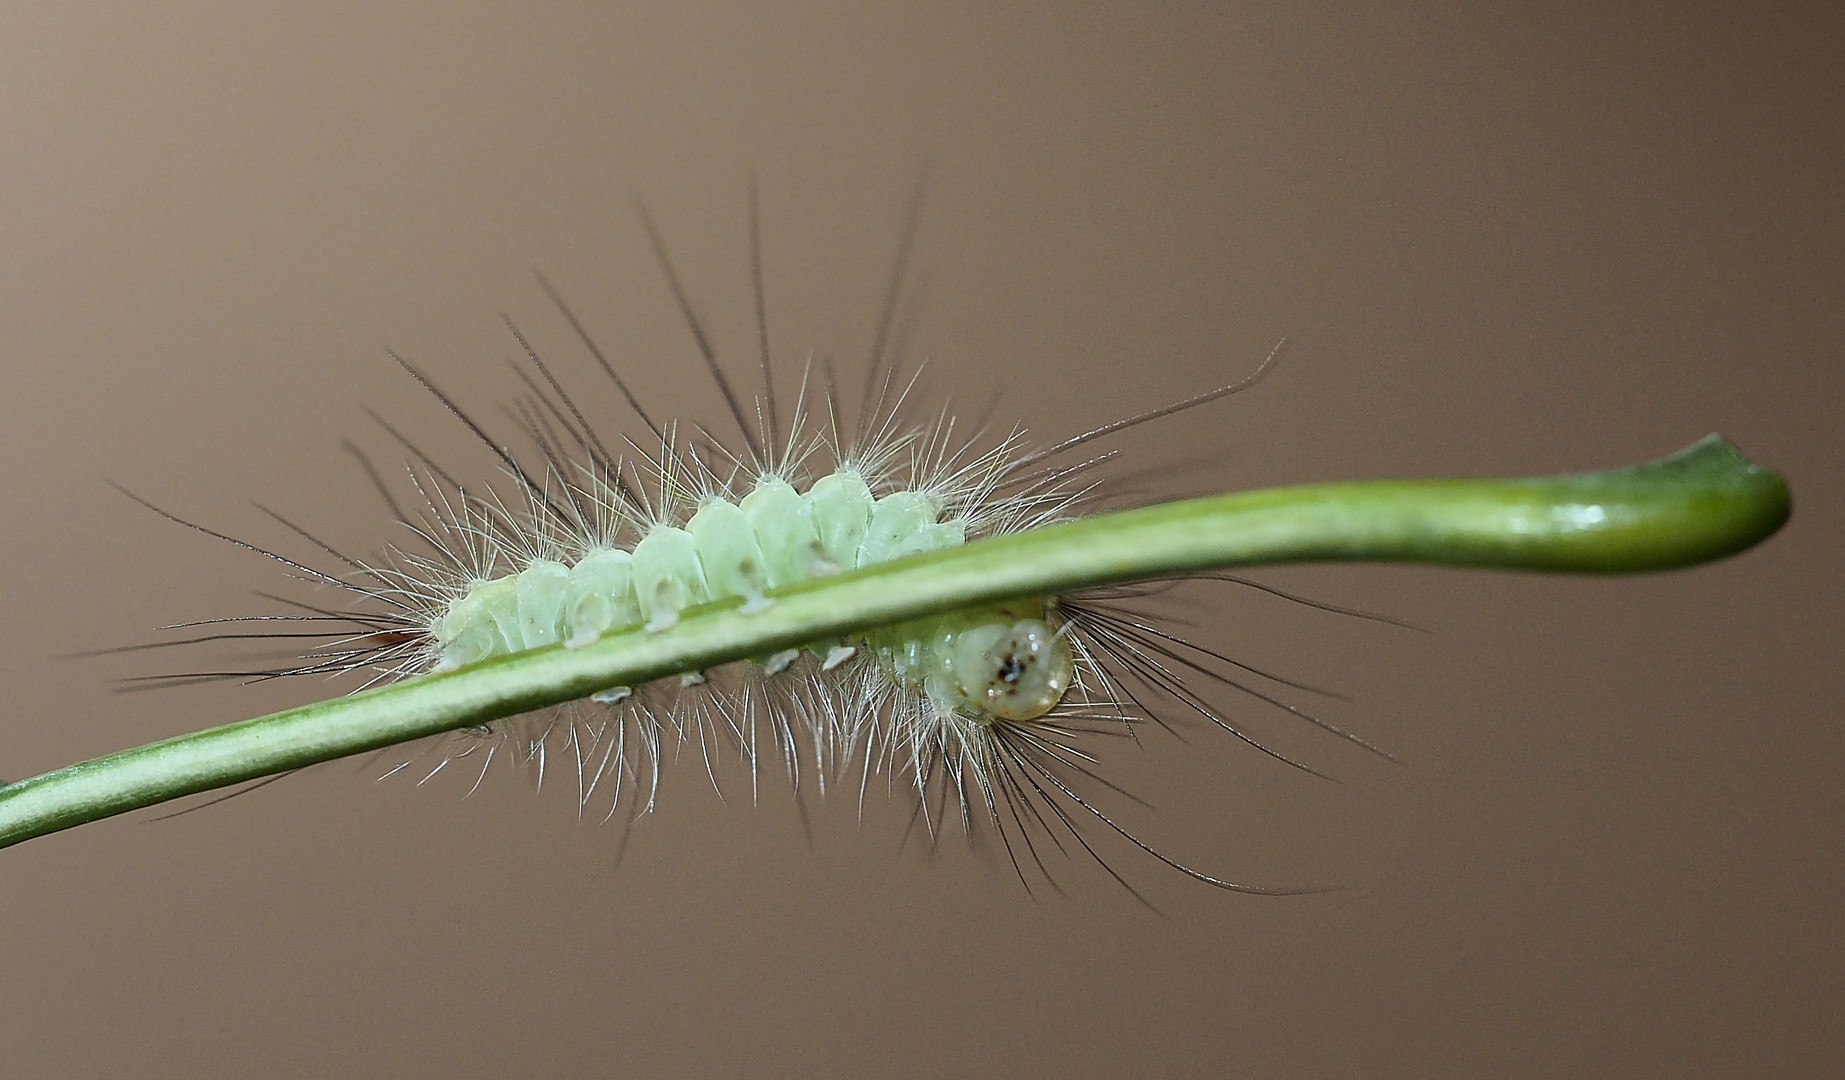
x=986, y=715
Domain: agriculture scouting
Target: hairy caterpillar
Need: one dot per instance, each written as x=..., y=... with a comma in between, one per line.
x=984, y=713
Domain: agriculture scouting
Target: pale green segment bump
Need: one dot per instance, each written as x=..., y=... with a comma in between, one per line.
x=903, y=523
x=483, y=623
x=599, y=596
x=467, y=631
x=783, y=522
x=842, y=505
x=499, y=603
x=731, y=558
x=540, y=591
x=667, y=575
x=944, y=534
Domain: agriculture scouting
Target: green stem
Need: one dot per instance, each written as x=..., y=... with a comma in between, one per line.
x=1703, y=503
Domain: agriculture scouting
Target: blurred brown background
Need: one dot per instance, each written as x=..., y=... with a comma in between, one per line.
x=1498, y=244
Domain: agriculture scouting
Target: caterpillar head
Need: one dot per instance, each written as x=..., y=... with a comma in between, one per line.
x=1011, y=669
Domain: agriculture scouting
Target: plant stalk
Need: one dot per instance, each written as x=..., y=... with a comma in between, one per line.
x=1702, y=503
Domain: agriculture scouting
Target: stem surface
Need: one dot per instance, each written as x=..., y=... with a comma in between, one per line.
x=1702, y=503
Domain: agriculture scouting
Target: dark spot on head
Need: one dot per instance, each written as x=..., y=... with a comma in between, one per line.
x=1010, y=669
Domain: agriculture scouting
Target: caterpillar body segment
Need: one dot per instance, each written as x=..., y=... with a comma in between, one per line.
x=783, y=521
x=668, y=575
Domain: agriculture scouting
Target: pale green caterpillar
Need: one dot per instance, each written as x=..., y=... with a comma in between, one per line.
x=999, y=662
x=988, y=705
x=970, y=699
x=890, y=597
